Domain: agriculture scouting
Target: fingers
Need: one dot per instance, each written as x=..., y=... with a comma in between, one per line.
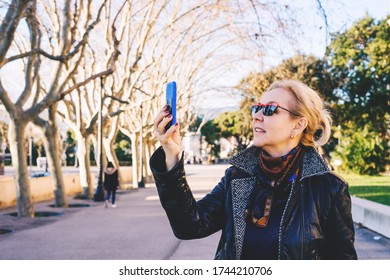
x=161, y=117
x=161, y=120
x=173, y=129
x=164, y=122
x=170, y=140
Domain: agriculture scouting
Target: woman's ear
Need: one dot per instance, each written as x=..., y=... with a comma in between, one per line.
x=300, y=126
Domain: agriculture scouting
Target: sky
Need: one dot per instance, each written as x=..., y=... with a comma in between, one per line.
x=341, y=14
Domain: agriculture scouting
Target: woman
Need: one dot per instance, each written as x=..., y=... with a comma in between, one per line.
x=279, y=200
x=111, y=183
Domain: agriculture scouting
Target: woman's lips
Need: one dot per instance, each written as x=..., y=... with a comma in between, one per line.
x=258, y=129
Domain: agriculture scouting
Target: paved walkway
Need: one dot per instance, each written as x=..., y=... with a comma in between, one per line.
x=137, y=229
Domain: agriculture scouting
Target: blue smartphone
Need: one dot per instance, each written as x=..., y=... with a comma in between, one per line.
x=171, y=102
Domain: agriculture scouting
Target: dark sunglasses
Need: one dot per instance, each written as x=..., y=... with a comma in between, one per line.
x=267, y=109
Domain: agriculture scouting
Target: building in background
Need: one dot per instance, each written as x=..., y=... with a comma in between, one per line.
x=198, y=151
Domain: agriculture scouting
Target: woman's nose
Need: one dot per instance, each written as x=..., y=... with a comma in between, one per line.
x=258, y=116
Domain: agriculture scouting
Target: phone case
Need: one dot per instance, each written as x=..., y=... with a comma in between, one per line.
x=171, y=102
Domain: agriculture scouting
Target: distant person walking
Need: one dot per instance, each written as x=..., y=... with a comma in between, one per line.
x=111, y=183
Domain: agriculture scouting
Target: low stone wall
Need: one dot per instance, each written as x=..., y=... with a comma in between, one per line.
x=372, y=215
x=126, y=176
x=42, y=187
x=7, y=192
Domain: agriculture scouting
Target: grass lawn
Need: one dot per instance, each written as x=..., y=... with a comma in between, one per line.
x=374, y=188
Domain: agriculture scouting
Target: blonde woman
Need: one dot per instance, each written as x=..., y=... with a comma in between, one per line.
x=278, y=200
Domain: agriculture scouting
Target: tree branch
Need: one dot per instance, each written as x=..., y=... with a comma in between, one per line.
x=34, y=52
x=86, y=34
x=7, y=102
x=33, y=62
x=322, y=10
x=9, y=25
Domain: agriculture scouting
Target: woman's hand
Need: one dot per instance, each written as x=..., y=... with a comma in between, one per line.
x=170, y=139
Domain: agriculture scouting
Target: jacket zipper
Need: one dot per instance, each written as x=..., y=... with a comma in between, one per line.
x=281, y=221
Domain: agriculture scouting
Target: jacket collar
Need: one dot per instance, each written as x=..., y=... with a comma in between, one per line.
x=248, y=161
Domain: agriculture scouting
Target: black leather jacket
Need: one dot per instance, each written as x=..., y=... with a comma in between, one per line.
x=316, y=223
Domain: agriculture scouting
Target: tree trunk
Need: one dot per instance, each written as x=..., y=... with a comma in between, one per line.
x=109, y=151
x=144, y=159
x=53, y=147
x=108, y=144
x=134, y=157
x=16, y=139
x=84, y=165
x=149, y=152
x=95, y=148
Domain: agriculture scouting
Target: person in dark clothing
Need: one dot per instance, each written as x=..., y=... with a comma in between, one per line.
x=111, y=183
x=278, y=200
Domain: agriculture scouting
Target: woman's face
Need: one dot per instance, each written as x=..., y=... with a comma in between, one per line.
x=273, y=133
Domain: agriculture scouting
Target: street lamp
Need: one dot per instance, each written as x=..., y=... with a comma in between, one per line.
x=99, y=193
x=141, y=183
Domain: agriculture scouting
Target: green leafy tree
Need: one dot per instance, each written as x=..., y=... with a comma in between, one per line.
x=211, y=131
x=70, y=151
x=364, y=152
x=308, y=69
x=235, y=124
x=359, y=60
x=3, y=134
x=194, y=126
x=123, y=149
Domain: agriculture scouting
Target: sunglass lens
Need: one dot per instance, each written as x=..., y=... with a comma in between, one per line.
x=269, y=110
x=254, y=109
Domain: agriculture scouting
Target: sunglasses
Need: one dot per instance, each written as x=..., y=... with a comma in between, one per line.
x=268, y=109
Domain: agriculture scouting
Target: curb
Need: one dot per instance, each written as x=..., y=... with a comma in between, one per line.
x=372, y=215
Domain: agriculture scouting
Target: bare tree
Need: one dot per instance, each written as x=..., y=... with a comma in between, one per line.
x=62, y=62
x=80, y=111
x=187, y=47
x=143, y=17
x=73, y=44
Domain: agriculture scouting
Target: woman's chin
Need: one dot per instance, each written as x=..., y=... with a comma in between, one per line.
x=258, y=142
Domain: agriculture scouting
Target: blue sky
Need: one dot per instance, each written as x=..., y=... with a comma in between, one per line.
x=341, y=14
x=376, y=8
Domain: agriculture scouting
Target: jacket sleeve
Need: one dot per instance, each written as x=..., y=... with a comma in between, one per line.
x=189, y=219
x=342, y=232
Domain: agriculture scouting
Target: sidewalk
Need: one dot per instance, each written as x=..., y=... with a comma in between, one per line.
x=138, y=229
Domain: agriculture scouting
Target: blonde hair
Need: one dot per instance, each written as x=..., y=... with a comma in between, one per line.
x=308, y=104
